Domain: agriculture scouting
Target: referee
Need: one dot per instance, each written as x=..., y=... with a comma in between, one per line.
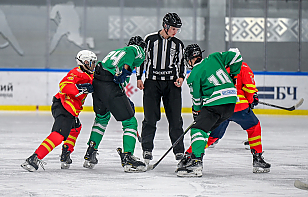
x=164, y=76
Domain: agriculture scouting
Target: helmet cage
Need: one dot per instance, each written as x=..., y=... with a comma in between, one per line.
x=87, y=59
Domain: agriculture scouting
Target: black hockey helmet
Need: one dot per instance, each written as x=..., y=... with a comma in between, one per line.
x=171, y=19
x=192, y=51
x=137, y=40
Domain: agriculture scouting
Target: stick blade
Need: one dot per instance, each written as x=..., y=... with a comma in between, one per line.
x=301, y=185
x=299, y=103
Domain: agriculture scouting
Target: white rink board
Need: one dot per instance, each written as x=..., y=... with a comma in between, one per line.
x=38, y=88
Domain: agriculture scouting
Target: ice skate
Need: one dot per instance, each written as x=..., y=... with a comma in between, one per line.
x=179, y=156
x=259, y=165
x=65, y=157
x=90, y=156
x=147, y=156
x=31, y=163
x=130, y=163
x=192, y=168
x=183, y=161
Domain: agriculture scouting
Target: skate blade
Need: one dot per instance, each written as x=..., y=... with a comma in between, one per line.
x=65, y=165
x=28, y=167
x=195, y=173
x=131, y=169
x=89, y=165
x=260, y=170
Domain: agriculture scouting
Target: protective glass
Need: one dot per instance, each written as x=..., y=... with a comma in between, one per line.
x=178, y=30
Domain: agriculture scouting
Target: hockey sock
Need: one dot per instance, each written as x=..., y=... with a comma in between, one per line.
x=198, y=141
x=98, y=128
x=210, y=141
x=71, y=140
x=188, y=150
x=52, y=141
x=254, y=138
x=130, y=134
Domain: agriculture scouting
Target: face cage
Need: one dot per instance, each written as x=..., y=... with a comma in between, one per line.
x=91, y=65
x=188, y=66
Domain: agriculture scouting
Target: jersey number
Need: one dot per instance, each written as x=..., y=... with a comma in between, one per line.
x=115, y=56
x=221, y=75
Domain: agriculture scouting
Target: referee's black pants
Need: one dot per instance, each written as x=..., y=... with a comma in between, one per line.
x=171, y=96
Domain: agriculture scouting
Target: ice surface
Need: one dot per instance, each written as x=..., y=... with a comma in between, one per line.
x=227, y=167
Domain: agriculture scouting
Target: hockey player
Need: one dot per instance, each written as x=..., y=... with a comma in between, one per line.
x=66, y=106
x=109, y=98
x=213, y=96
x=164, y=76
x=245, y=117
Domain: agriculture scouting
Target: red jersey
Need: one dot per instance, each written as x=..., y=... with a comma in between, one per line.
x=68, y=90
x=246, y=87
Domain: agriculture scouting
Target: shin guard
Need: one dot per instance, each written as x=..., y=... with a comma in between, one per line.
x=130, y=134
x=198, y=141
x=52, y=141
x=254, y=138
x=71, y=140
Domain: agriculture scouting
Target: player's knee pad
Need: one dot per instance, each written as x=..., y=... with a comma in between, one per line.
x=63, y=125
x=121, y=108
x=102, y=119
x=254, y=130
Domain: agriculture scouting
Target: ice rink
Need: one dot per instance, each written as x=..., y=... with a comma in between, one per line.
x=227, y=167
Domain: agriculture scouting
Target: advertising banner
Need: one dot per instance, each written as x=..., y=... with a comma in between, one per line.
x=38, y=88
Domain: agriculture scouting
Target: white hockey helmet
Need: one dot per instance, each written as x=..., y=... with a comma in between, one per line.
x=87, y=60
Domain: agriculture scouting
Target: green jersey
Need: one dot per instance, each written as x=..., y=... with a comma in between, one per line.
x=131, y=55
x=210, y=83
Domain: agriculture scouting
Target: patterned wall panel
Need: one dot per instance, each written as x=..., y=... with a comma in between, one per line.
x=278, y=29
x=141, y=25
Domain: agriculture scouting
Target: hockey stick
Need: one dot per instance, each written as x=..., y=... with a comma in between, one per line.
x=151, y=167
x=285, y=108
x=80, y=93
x=139, y=137
x=301, y=185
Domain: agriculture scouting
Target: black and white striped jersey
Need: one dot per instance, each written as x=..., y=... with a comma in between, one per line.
x=164, y=58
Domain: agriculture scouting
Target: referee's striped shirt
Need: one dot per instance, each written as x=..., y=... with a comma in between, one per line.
x=164, y=58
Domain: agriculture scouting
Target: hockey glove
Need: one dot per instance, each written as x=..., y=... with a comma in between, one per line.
x=195, y=113
x=85, y=88
x=122, y=76
x=255, y=101
x=234, y=78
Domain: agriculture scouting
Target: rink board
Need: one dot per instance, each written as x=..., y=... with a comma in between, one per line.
x=34, y=89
